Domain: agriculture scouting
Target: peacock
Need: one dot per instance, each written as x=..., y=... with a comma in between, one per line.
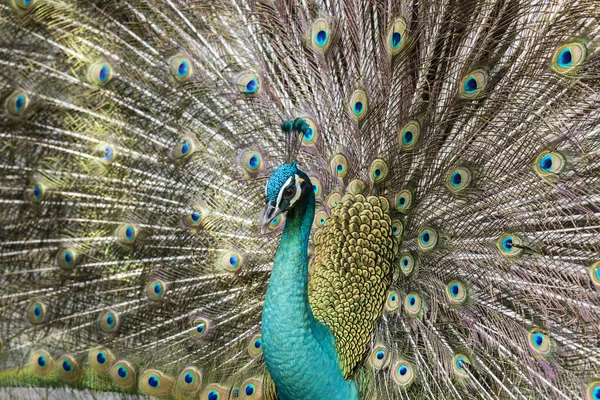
x=312, y=199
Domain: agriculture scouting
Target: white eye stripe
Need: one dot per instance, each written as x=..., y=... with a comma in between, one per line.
x=298, y=190
x=280, y=194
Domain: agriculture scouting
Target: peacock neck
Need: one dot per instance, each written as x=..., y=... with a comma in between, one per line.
x=299, y=352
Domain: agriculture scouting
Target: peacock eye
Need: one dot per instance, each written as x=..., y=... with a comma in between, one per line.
x=289, y=192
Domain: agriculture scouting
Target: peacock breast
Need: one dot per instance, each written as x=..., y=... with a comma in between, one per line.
x=351, y=272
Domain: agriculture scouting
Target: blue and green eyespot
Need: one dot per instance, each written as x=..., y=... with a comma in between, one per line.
x=189, y=380
x=460, y=364
x=404, y=200
x=549, y=163
x=252, y=162
x=540, y=342
x=474, y=84
x=409, y=135
x=568, y=57
x=320, y=35
x=392, y=301
x=231, y=260
x=40, y=362
x=100, y=359
x=397, y=228
x=595, y=273
x=510, y=245
x=156, y=289
x=339, y=165
x=37, y=312
x=17, y=103
x=248, y=83
x=407, y=263
x=126, y=233
x=24, y=5
x=428, y=239
x=379, y=357
x=67, y=367
x=593, y=390
x=396, y=36
x=456, y=292
x=403, y=373
x=358, y=104
x=201, y=326
x=311, y=133
x=413, y=305
x=181, y=68
x=255, y=345
x=99, y=73
x=66, y=259
x=378, y=171
x=109, y=321
x=123, y=374
x=458, y=179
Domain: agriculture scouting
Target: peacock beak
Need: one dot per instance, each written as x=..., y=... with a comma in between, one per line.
x=269, y=214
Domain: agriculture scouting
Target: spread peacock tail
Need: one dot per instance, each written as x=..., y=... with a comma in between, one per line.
x=432, y=226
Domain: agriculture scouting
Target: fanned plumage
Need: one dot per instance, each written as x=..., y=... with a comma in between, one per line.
x=137, y=138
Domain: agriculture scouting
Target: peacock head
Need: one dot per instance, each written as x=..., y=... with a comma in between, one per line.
x=286, y=188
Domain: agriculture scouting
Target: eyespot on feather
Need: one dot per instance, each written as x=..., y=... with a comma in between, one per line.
x=397, y=228
x=189, y=380
x=407, y=263
x=403, y=200
x=378, y=171
x=593, y=390
x=428, y=239
x=339, y=165
x=413, y=305
x=595, y=274
x=320, y=35
x=40, y=362
x=107, y=153
x=37, y=312
x=459, y=364
x=201, y=327
x=568, y=57
x=252, y=162
x=24, y=5
x=333, y=199
x=356, y=186
x=510, y=245
x=358, y=105
x=181, y=68
x=123, y=374
x=255, y=345
x=67, y=259
x=456, y=292
x=126, y=233
x=248, y=83
x=540, y=343
x=403, y=373
x=215, y=392
x=311, y=133
x=109, y=321
x=99, y=73
x=396, y=39
x=392, y=300
x=67, y=368
x=100, y=359
x=474, y=84
x=458, y=179
x=185, y=147
x=195, y=218
x=231, y=261
x=37, y=192
x=549, y=163
x=16, y=104
x=320, y=219
x=409, y=135
x=154, y=383
x=251, y=389
x=379, y=357
x=156, y=290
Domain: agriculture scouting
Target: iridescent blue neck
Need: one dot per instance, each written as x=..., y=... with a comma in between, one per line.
x=299, y=352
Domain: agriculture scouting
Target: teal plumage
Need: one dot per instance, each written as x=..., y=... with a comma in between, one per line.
x=432, y=218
